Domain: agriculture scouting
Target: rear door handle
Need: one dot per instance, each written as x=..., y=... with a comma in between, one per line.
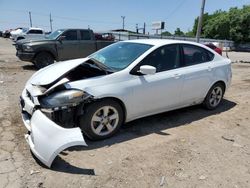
x=209, y=68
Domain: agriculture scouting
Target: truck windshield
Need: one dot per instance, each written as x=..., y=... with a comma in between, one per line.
x=55, y=34
x=120, y=55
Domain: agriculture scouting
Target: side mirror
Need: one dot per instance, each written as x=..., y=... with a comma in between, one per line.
x=61, y=38
x=147, y=69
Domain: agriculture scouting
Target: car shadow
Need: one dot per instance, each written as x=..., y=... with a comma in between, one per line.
x=142, y=127
x=29, y=67
x=60, y=165
x=157, y=124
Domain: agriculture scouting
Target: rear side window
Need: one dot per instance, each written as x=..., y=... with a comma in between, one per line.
x=70, y=35
x=33, y=31
x=85, y=35
x=194, y=55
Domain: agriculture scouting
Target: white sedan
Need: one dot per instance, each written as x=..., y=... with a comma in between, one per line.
x=122, y=82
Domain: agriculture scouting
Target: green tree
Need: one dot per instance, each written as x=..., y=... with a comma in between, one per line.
x=178, y=32
x=166, y=33
x=232, y=25
x=217, y=27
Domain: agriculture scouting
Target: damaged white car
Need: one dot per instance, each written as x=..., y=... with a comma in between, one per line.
x=122, y=82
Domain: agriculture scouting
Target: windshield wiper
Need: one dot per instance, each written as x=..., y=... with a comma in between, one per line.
x=101, y=66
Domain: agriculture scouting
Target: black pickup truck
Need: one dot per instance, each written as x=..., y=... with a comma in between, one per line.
x=62, y=44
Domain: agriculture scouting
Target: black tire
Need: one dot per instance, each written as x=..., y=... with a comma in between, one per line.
x=43, y=59
x=214, y=96
x=90, y=127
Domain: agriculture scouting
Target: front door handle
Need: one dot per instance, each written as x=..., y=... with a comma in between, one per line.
x=177, y=76
x=209, y=68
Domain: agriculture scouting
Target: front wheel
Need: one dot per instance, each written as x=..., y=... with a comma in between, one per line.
x=101, y=119
x=214, y=96
x=43, y=59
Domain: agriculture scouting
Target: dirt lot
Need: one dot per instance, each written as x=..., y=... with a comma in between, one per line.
x=191, y=147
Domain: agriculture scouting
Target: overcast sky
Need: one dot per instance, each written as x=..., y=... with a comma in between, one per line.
x=102, y=15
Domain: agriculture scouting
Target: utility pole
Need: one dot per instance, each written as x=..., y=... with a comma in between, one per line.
x=198, y=33
x=123, y=18
x=144, y=28
x=30, y=19
x=50, y=20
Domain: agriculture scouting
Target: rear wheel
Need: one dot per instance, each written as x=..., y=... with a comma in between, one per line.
x=102, y=119
x=43, y=59
x=214, y=96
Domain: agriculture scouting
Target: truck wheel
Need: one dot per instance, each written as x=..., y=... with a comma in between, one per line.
x=43, y=59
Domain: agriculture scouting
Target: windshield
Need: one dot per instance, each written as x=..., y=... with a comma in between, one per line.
x=24, y=30
x=55, y=34
x=120, y=55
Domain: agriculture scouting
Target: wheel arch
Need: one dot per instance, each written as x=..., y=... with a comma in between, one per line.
x=221, y=82
x=216, y=82
x=47, y=51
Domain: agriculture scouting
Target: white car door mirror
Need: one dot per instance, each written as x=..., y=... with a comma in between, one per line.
x=147, y=69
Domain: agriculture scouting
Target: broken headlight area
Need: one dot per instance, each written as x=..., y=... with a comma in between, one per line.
x=62, y=106
x=62, y=99
x=66, y=118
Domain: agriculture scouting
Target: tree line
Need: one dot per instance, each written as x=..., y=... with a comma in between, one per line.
x=226, y=25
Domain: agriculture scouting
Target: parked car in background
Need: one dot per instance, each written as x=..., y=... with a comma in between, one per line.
x=6, y=33
x=215, y=48
x=28, y=33
x=104, y=36
x=1, y=33
x=120, y=83
x=16, y=31
x=62, y=44
x=242, y=47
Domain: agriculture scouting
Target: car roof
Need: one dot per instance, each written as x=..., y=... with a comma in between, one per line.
x=160, y=42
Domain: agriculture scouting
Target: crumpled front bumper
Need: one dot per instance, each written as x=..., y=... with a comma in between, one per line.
x=45, y=138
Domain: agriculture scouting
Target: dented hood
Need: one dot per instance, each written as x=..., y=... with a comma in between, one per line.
x=55, y=71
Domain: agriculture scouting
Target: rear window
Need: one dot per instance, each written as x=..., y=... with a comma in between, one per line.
x=194, y=55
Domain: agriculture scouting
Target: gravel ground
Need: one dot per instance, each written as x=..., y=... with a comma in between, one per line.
x=191, y=147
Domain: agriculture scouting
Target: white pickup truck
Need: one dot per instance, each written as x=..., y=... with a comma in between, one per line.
x=28, y=33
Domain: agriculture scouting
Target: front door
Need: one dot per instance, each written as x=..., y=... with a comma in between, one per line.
x=68, y=47
x=160, y=91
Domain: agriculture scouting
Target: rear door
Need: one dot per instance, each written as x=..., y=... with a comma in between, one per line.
x=68, y=47
x=197, y=74
x=87, y=44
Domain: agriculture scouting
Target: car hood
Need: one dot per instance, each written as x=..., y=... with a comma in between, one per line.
x=35, y=39
x=54, y=72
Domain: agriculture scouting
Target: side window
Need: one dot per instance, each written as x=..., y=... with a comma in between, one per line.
x=70, y=35
x=85, y=35
x=194, y=55
x=164, y=58
x=33, y=31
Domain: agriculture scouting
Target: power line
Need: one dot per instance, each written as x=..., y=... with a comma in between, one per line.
x=175, y=9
